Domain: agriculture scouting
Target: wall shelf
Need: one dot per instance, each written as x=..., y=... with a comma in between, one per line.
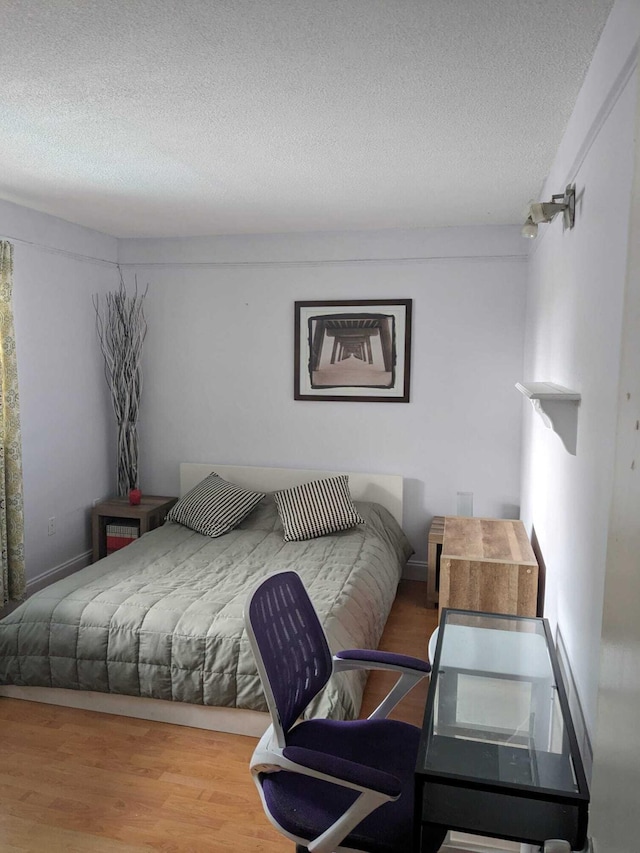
x=558, y=408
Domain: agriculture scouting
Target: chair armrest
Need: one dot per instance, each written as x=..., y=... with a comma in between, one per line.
x=410, y=671
x=346, y=771
x=370, y=659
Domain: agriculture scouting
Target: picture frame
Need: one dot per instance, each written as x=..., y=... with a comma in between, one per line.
x=353, y=351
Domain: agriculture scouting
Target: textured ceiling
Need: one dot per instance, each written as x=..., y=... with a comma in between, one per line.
x=179, y=117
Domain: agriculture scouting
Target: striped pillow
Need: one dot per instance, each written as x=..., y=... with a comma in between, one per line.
x=317, y=508
x=214, y=506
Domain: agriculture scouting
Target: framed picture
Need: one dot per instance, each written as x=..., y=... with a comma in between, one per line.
x=353, y=351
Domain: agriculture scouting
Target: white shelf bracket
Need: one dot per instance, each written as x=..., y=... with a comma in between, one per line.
x=558, y=408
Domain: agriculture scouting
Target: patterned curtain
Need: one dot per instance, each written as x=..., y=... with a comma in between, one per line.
x=12, y=574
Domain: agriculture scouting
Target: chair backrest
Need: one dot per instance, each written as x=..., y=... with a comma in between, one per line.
x=290, y=647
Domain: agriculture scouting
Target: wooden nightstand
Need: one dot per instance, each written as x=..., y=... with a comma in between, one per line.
x=148, y=514
x=488, y=564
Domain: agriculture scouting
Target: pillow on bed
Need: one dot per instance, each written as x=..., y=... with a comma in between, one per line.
x=214, y=506
x=316, y=508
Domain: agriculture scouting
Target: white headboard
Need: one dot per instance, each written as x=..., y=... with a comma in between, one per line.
x=385, y=489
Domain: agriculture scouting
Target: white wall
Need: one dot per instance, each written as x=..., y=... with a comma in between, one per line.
x=218, y=366
x=573, y=335
x=616, y=776
x=219, y=360
x=67, y=432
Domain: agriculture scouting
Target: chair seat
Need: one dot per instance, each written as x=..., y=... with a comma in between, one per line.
x=305, y=807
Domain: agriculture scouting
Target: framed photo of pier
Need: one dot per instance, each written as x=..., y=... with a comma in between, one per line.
x=355, y=351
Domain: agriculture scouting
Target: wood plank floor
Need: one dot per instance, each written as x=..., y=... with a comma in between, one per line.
x=82, y=782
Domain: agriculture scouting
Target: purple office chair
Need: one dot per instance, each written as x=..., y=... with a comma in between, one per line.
x=325, y=784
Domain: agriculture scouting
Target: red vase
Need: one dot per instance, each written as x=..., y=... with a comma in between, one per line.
x=135, y=495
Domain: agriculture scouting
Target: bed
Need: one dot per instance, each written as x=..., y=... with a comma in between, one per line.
x=156, y=630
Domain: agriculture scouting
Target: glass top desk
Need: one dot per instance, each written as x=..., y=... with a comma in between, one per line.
x=498, y=753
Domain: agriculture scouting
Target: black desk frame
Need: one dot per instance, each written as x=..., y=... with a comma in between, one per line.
x=514, y=812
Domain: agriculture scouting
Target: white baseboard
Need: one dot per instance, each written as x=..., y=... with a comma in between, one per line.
x=58, y=572
x=415, y=570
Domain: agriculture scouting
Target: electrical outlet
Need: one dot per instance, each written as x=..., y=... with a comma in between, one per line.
x=464, y=501
x=51, y=529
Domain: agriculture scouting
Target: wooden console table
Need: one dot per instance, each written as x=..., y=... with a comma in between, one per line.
x=488, y=564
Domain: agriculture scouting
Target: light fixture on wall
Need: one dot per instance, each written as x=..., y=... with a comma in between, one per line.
x=564, y=203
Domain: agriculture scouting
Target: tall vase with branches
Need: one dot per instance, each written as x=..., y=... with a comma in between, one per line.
x=122, y=327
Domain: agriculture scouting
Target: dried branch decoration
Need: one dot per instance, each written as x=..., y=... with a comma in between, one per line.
x=122, y=328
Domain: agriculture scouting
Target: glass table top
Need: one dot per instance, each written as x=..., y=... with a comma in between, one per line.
x=495, y=712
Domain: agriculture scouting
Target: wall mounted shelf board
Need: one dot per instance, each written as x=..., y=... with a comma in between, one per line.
x=558, y=408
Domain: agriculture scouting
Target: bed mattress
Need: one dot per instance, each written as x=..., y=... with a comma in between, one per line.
x=163, y=617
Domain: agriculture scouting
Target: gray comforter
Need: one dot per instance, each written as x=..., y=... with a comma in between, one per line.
x=163, y=617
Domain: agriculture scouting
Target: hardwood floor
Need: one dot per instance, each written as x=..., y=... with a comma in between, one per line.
x=80, y=782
